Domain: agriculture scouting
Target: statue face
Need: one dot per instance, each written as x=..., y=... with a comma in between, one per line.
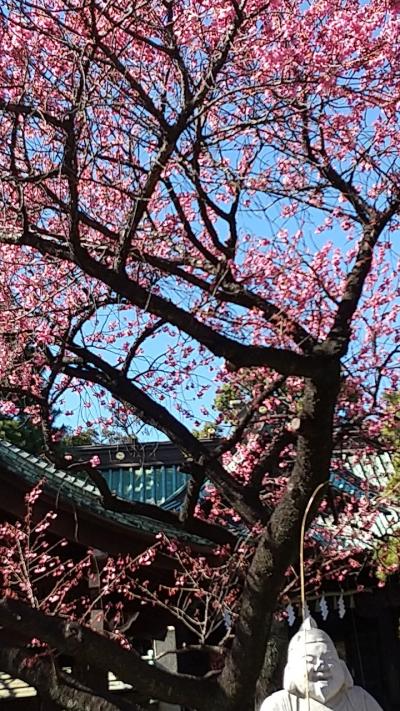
x=325, y=673
x=313, y=664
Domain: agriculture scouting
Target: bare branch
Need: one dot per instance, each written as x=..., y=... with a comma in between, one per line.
x=146, y=333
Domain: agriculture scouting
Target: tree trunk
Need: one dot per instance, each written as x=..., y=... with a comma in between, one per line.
x=271, y=675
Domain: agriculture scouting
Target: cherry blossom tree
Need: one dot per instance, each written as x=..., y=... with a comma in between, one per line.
x=194, y=191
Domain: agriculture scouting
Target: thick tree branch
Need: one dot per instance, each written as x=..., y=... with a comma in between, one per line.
x=146, y=333
x=31, y=111
x=283, y=361
x=142, y=95
x=141, y=203
x=151, y=412
x=320, y=160
x=193, y=489
x=239, y=355
x=70, y=169
x=209, y=256
x=278, y=544
x=169, y=133
x=61, y=690
x=211, y=531
x=339, y=336
x=229, y=291
x=91, y=648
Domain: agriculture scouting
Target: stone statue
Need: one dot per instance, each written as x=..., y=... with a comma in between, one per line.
x=315, y=679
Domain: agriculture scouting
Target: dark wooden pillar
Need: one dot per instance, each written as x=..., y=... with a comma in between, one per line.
x=91, y=676
x=388, y=626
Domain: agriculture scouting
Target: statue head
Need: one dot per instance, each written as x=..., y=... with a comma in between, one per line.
x=313, y=662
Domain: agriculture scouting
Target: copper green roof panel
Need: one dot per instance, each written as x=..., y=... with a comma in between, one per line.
x=80, y=491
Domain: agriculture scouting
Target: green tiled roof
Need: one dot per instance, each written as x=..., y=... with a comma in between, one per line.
x=80, y=491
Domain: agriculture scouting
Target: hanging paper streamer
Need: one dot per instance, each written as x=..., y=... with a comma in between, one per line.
x=306, y=610
x=291, y=615
x=323, y=606
x=341, y=607
x=227, y=620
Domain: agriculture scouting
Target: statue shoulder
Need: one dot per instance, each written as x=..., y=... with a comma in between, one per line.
x=363, y=700
x=279, y=701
